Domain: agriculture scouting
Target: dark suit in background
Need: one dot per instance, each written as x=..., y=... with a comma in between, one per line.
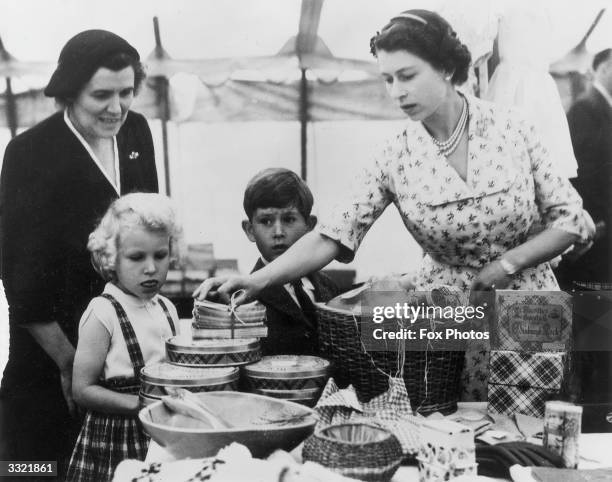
x=51, y=196
x=289, y=330
x=590, y=123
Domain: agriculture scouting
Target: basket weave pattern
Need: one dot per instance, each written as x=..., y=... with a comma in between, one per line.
x=340, y=343
x=375, y=460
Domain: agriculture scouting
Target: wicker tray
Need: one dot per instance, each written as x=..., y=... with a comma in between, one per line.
x=340, y=343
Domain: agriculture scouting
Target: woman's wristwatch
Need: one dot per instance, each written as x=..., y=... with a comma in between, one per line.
x=508, y=267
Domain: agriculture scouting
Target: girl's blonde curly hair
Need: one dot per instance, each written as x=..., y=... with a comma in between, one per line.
x=154, y=212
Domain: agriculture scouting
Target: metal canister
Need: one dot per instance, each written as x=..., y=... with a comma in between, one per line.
x=290, y=377
x=306, y=397
x=212, y=353
x=562, y=424
x=156, y=378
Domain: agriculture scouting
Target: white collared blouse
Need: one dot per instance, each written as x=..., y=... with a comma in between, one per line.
x=511, y=188
x=148, y=320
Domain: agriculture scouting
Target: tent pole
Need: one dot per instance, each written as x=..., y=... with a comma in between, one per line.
x=160, y=84
x=11, y=108
x=164, y=84
x=304, y=124
x=162, y=91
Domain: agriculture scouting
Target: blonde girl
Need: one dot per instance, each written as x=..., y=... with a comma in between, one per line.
x=122, y=330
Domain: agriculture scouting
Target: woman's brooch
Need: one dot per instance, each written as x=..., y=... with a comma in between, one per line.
x=134, y=155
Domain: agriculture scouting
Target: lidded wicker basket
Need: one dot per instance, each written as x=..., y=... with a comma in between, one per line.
x=432, y=377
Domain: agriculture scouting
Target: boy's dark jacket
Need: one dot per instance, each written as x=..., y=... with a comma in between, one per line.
x=288, y=328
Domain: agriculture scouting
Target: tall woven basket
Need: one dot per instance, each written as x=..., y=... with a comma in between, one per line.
x=432, y=378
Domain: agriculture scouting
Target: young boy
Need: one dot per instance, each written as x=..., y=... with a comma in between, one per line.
x=278, y=206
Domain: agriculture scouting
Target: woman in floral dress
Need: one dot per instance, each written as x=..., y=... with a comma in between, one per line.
x=470, y=180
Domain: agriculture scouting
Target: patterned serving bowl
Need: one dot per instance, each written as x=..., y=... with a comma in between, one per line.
x=263, y=424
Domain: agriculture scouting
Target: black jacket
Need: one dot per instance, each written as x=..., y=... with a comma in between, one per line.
x=288, y=328
x=590, y=123
x=51, y=196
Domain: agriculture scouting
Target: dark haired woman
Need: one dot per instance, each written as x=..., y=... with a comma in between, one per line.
x=58, y=178
x=468, y=178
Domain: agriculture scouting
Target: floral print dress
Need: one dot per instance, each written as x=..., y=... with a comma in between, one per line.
x=511, y=192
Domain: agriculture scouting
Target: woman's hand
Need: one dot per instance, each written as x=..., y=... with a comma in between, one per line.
x=222, y=288
x=492, y=276
x=66, y=382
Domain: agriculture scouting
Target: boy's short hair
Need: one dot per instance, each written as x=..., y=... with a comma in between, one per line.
x=601, y=57
x=277, y=188
x=154, y=212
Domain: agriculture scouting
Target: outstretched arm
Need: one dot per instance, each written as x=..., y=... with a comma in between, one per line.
x=310, y=253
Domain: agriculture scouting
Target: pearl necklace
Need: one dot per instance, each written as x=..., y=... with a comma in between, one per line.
x=450, y=145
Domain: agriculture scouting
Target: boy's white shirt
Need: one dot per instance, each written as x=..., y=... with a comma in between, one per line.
x=309, y=288
x=146, y=317
x=603, y=91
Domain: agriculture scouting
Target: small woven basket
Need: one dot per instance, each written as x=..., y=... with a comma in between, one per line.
x=356, y=450
x=432, y=377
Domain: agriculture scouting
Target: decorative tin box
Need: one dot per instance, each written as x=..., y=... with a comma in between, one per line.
x=308, y=397
x=250, y=330
x=532, y=321
x=292, y=377
x=212, y=353
x=522, y=382
x=155, y=378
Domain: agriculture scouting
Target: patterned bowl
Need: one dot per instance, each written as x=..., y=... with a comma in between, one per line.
x=262, y=424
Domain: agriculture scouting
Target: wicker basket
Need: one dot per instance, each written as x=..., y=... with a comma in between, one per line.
x=356, y=450
x=340, y=343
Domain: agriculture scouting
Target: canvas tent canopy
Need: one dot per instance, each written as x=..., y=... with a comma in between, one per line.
x=281, y=72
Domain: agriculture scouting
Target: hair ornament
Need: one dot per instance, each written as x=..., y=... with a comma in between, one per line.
x=410, y=16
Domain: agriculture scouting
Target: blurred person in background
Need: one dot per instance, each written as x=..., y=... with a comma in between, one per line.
x=590, y=122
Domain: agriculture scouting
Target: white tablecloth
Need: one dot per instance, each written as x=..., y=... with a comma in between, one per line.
x=595, y=452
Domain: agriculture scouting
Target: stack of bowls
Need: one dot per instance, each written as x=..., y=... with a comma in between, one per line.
x=216, y=320
x=298, y=378
x=217, y=315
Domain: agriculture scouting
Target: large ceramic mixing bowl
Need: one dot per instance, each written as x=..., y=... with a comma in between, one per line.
x=263, y=424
